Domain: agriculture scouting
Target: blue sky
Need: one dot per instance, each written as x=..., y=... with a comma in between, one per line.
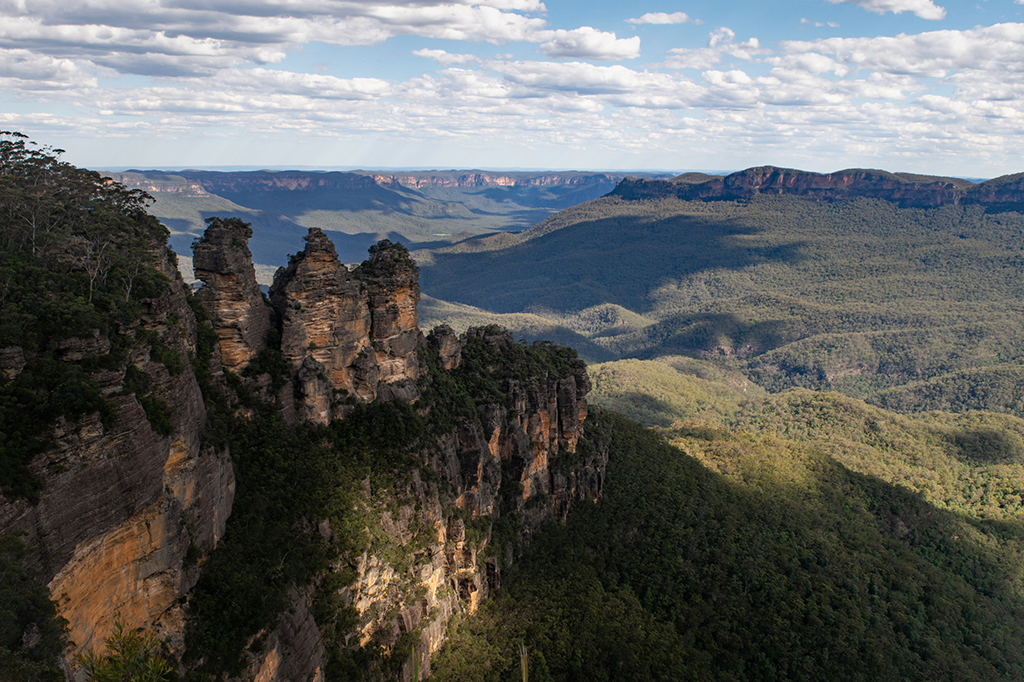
x=929, y=86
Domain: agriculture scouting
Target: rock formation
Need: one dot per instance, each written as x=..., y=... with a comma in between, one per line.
x=222, y=260
x=130, y=509
x=349, y=336
x=126, y=514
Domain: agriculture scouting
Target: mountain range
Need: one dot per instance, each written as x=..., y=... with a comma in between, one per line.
x=343, y=478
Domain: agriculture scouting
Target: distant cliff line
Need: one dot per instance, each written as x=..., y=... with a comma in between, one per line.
x=200, y=183
x=905, y=189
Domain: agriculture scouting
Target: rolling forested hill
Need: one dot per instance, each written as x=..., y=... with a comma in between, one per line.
x=907, y=307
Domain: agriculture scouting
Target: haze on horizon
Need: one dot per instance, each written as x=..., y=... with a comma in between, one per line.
x=927, y=86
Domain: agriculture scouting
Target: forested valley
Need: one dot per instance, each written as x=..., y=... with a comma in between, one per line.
x=797, y=452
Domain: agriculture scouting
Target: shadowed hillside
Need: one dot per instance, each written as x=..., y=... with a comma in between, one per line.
x=909, y=307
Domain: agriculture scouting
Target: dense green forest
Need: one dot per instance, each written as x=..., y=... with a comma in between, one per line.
x=745, y=555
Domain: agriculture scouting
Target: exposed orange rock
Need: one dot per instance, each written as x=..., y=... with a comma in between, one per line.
x=122, y=505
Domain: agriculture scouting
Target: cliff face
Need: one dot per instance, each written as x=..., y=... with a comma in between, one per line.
x=512, y=449
x=126, y=514
x=906, y=190
x=434, y=552
x=543, y=419
x=223, y=262
x=132, y=505
x=348, y=336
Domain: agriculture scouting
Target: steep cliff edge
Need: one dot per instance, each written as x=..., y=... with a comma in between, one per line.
x=105, y=477
x=450, y=451
x=384, y=481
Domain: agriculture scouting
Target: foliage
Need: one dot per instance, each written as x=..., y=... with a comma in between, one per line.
x=287, y=479
x=911, y=308
x=32, y=636
x=777, y=562
x=76, y=260
x=131, y=657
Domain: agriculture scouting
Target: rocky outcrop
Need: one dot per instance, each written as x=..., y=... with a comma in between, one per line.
x=901, y=188
x=391, y=281
x=431, y=553
x=528, y=440
x=349, y=336
x=445, y=341
x=232, y=296
x=126, y=514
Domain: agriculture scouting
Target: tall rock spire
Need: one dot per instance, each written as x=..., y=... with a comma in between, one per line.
x=222, y=260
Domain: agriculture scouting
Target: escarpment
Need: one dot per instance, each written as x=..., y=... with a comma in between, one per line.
x=487, y=430
x=385, y=480
x=131, y=502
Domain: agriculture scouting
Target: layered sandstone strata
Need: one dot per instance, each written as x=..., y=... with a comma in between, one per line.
x=348, y=336
x=127, y=514
x=222, y=260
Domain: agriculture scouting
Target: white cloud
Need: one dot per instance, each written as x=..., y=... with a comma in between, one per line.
x=956, y=94
x=995, y=50
x=447, y=58
x=722, y=34
x=589, y=43
x=925, y=9
x=720, y=42
x=661, y=18
x=26, y=70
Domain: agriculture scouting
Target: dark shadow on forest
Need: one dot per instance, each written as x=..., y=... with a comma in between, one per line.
x=611, y=260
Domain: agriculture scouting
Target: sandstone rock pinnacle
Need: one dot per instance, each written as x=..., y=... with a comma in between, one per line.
x=222, y=260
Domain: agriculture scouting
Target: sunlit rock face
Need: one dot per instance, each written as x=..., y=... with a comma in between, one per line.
x=127, y=515
x=222, y=260
x=546, y=418
x=350, y=336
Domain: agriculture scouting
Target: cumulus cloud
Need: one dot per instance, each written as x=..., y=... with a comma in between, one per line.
x=925, y=9
x=720, y=43
x=447, y=58
x=996, y=50
x=661, y=18
x=957, y=93
x=26, y=70
x=589, y=43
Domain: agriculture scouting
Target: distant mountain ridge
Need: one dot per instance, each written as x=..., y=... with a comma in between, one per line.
x=435, y=207
x=905, y=189
x=214, y=182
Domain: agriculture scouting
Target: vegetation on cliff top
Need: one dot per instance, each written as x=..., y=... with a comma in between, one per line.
x=77, y=258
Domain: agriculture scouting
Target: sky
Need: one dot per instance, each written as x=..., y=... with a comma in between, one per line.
x=926, y=86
